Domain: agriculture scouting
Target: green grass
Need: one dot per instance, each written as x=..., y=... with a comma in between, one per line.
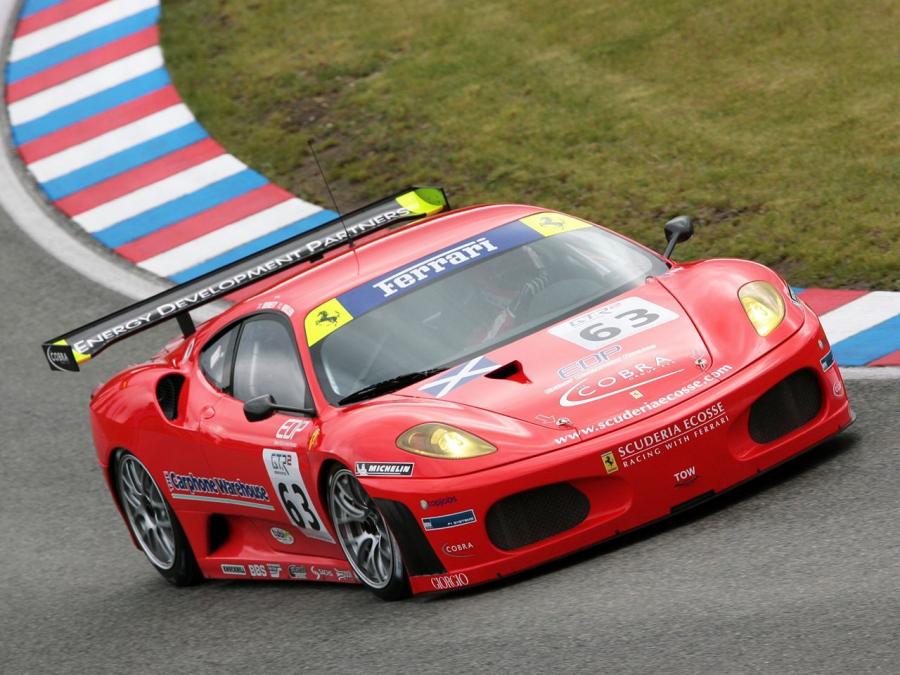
x=775, y=124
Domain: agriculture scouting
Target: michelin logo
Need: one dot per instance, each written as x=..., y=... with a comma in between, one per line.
x=458, y=255
x=401, y=469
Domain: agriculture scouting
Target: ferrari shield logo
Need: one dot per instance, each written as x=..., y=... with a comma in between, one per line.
x=609, y=462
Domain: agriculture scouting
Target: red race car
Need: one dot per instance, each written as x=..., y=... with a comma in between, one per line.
x=424, y=407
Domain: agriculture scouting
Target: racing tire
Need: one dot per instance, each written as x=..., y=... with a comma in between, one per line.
x=367, y=541
x=153, y=524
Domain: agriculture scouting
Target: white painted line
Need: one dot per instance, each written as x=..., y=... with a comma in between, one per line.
x=226, y=238
x=151, y=196
x=859, y=315
x=81, y=87
x=108, y=144
x=873, y=373
x=73, y=27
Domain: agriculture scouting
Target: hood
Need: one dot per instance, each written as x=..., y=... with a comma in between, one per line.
x=600, y=370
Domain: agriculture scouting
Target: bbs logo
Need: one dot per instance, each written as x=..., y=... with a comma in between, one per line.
x=281, y=462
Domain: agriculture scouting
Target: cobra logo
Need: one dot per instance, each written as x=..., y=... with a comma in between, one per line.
x=448, y=581
x=589, y=391
x=459, y=550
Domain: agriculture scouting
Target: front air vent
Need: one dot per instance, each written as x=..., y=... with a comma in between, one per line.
x=790, y=404
x=168, y=391
x=511, y=371
x=531, y=516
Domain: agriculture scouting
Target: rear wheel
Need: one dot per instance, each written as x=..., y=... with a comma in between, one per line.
x=153, y=524
x=364, y=536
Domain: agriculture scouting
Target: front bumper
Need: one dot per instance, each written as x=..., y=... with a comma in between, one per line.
x=654, y=473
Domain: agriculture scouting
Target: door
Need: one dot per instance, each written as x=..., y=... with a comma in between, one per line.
x=264, y=466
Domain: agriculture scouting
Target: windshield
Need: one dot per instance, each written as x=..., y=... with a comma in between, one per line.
x=468, y=300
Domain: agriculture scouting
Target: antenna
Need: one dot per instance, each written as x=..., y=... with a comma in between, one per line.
x=312, y=149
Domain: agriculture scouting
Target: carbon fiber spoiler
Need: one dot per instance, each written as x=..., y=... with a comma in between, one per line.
x=67, y=351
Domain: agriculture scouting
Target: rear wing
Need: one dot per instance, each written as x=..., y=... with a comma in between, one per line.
x=67, y=351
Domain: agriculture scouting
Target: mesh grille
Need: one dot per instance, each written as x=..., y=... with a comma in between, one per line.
x=788, y=405
x=528, y=517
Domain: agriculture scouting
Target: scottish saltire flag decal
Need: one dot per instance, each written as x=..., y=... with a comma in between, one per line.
x=456, y=377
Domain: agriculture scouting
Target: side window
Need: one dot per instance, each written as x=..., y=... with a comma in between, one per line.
x=215, y=359
x=266, y=362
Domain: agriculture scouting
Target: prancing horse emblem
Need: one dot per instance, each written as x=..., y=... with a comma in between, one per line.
x=325, y=317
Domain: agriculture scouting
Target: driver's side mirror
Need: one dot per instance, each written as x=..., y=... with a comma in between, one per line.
x=259, y=408
x=263, y=407
x=677, y=230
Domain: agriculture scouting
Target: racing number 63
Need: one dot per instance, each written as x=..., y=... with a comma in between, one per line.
x=283, y=467
x=637, y=318
x=301, y=514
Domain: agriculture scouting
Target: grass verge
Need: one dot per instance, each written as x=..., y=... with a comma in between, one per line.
x=774, y=124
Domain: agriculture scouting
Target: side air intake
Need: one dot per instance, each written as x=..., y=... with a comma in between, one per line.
x=168, y=391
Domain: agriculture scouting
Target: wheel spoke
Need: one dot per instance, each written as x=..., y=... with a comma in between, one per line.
x=147, y=512
x=362, y=531
x=133, y=500
x=135, y=478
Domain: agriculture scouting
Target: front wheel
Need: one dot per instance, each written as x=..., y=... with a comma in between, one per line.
x=364, y=536
x=153, y=524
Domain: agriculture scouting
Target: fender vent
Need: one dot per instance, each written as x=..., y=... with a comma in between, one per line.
x=788, y=405
x=528, y=517
x=168, y=391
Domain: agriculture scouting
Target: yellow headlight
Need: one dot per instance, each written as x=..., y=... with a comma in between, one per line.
x=443, y=441
x=763, y=304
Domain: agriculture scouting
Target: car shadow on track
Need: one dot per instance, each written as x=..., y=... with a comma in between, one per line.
x=827, y=451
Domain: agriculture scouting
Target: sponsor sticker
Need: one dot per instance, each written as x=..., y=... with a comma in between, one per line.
x=609, y=462
x=257, y=570
x=464, y=549
x=321, y=572
x=325, y=319
x=436, y=503
x=625, y=416
x=282, y=536
x=395, y=469
x=620, y=381
x=283, y=468
x=274, y=570
x=550, y=224
x=297, y=571
x=588, y=364
x=674, y=435
x=827, y=361
x=450, y=520
x=278, y=306
x=234, y=570
x=291, y=427
x=458, y=376
x=685, y=476
x=445, y=582
x=220, y=490
x=344, y=575
x=440, y=263
x=615, y=321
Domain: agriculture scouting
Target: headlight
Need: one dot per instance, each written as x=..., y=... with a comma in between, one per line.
x=443, y=441
x=763, y=304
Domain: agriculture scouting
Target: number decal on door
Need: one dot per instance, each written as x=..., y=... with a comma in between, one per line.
x=613, y=322
x=283, y=468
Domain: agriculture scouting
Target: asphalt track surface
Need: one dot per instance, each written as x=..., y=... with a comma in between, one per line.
x=798, y=571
